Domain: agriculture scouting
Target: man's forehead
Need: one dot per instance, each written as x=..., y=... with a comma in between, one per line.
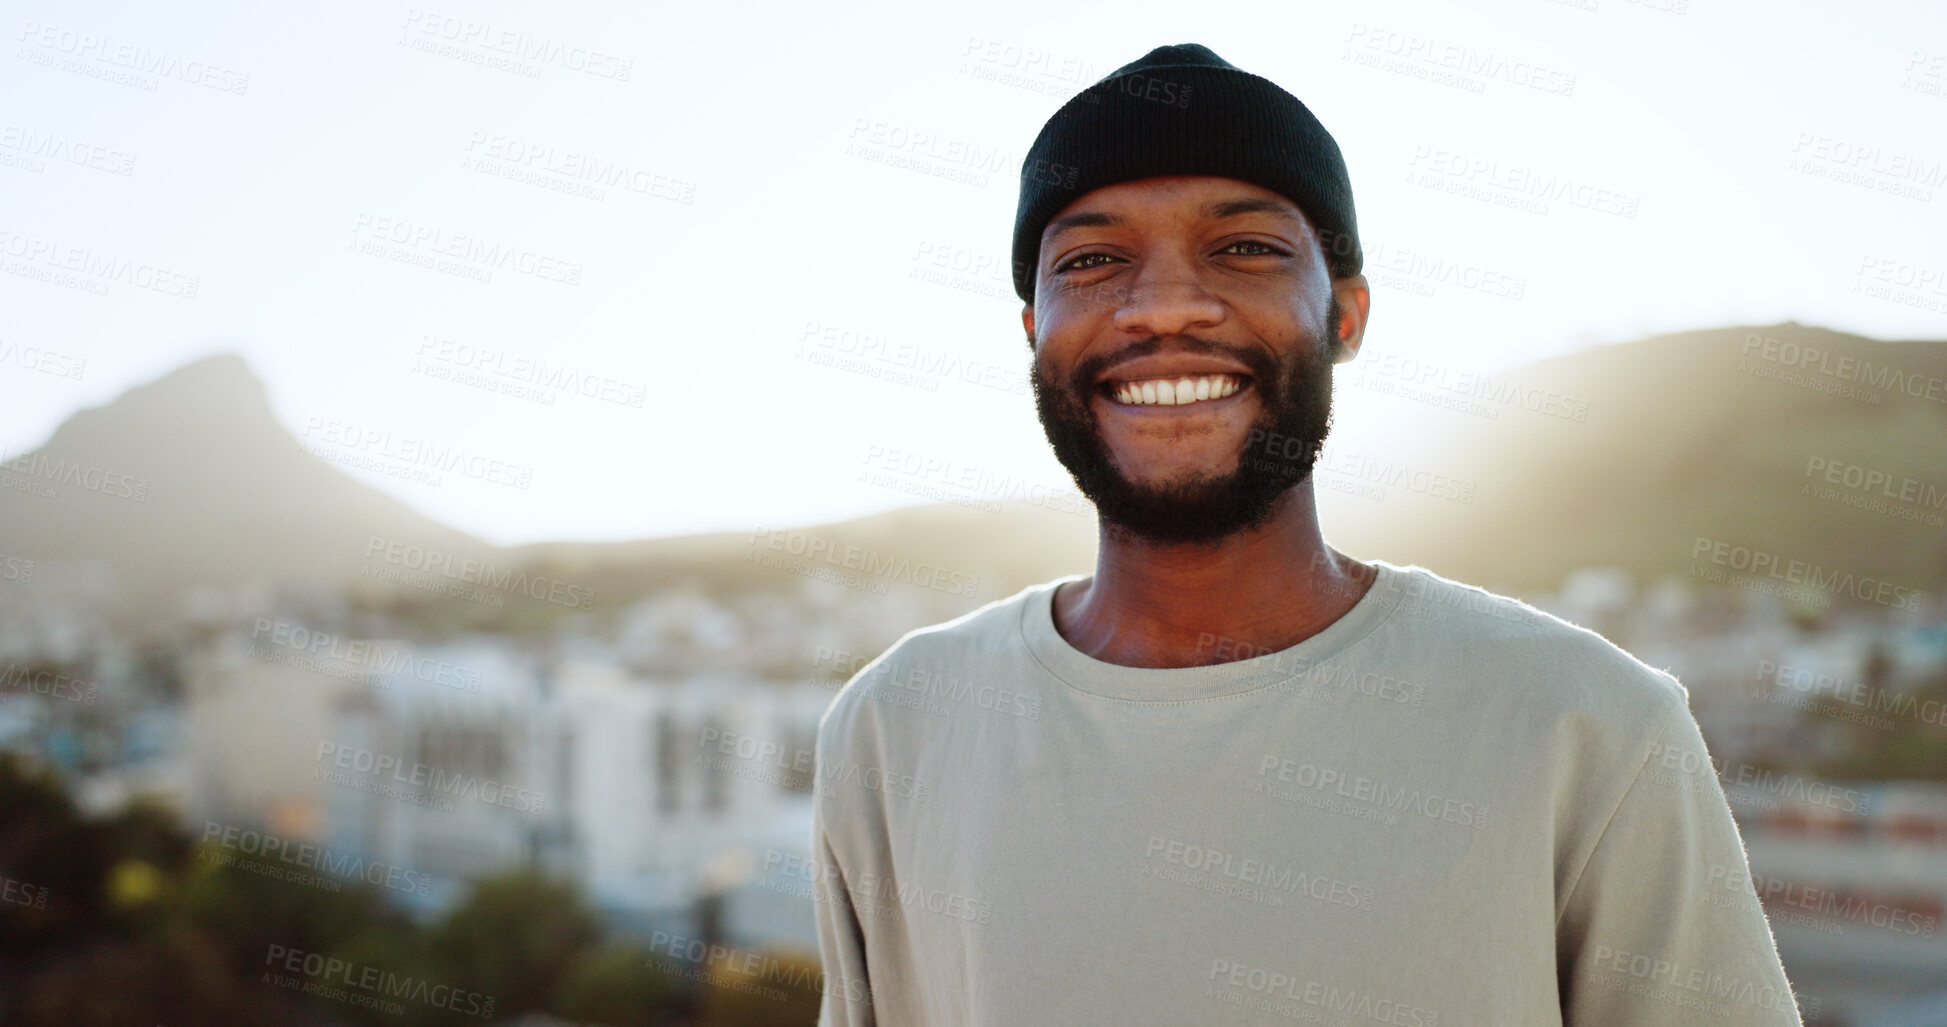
x=1206, y=197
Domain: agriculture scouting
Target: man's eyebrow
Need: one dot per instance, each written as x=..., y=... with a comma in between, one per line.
x=1085, y=219
x=1225, y=209
x=1251, y=205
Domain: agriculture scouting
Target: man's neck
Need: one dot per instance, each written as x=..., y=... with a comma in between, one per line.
x=1257, y=592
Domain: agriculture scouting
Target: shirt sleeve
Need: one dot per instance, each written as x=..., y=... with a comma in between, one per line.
x=1663, y=925
x=841, y=939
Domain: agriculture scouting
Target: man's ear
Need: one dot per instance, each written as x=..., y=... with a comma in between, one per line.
x=1027, y=322
x=1355, y=304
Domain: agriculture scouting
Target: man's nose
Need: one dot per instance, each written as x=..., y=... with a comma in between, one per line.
x=1165, y=298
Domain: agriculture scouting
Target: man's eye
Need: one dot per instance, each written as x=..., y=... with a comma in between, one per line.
x=1077, y=265
x=1264, y=249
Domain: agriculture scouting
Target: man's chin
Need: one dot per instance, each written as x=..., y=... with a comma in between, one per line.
x=1202, y=511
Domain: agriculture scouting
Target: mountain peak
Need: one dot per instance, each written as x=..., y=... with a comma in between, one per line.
x=192, y=479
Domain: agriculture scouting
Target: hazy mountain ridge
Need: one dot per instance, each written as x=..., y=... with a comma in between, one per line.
x=1686, y=436
x=1706, y=434
x=191, y=480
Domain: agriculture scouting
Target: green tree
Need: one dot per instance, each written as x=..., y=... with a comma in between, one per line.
x=779, y=988
x=514, y=937
x=618, y=986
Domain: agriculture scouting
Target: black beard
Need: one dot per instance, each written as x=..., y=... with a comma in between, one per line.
x=1295, y=399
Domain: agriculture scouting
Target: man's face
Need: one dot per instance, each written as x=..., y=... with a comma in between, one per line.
x=1174, y=289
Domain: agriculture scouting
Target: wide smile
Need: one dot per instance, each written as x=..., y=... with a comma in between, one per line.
x=1186, y=393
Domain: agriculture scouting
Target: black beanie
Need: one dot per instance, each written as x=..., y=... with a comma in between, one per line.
x=1183, y=110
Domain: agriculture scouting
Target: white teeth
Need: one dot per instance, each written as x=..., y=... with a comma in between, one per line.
x=1163, y=392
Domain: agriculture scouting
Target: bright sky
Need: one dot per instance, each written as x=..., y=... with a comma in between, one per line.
x=787, y=182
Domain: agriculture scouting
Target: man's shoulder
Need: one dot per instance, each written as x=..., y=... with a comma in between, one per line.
x=954, y=647
x=1528, y=653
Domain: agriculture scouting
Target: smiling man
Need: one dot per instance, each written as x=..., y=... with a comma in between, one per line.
x=1236, y=776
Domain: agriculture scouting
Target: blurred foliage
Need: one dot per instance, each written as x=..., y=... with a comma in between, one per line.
x=514, y=937
x=123, y=920
x=773, y=988
x=616, y=985
x=1912, y=749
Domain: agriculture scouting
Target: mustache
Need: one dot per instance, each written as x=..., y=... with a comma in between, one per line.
x=1082, y=380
